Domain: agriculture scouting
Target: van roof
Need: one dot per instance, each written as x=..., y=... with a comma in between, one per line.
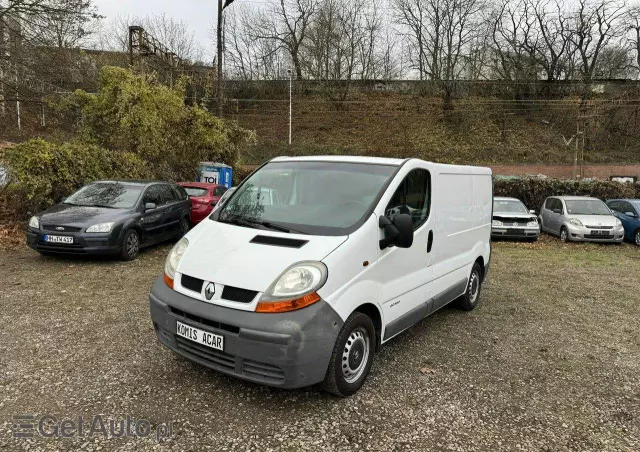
x=341, y=158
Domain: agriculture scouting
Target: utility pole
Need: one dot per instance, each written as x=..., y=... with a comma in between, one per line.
x=219, y=39
x=221, y=8
x=290, y=102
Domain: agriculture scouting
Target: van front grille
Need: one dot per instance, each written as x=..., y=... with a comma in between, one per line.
x=191, y=283
x=239, y=295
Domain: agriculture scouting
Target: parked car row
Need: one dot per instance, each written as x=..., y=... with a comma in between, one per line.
x=121, y=217
x=571, y=218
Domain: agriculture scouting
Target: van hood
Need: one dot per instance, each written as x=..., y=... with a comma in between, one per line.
x=223, y=253
x=596, y=220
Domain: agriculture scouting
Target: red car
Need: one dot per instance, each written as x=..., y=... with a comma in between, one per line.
x=203, y=198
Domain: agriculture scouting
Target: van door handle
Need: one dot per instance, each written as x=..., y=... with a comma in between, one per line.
x=430, y=241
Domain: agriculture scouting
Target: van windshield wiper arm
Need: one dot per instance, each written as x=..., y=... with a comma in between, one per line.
x=268, y=225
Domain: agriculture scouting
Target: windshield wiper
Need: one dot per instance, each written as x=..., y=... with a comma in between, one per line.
x=239, y=222
x=103, y=205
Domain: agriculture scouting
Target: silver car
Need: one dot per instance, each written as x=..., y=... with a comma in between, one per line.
x=580, y=219
x=511, y=219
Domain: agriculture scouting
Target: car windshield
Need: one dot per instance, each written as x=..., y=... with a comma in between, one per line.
x=509, y=206
x=195, y=191
x=114, y=195
x=322, y=198
x=587, y=207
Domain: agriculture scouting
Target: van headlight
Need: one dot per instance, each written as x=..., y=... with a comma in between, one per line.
x=34, y=223
x=295, y=288
x=575, y=222
x=173, y=259
x=496, y=223
x=102, y=227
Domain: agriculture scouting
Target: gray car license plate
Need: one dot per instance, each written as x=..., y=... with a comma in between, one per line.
x=58, y=239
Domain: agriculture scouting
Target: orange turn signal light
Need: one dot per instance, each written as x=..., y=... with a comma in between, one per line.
x=168, y=280
x=287, y=305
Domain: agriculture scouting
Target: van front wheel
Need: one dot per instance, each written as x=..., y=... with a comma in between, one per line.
x=469, y=300
x=352, y=356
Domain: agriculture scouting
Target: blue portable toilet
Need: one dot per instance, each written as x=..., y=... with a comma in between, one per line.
x=216, y=173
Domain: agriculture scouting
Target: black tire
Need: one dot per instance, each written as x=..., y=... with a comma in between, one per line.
x=469, y=300
x=184, y=227
x=354, y=347
x=564, y=234
x=636, y=237
x=130, y=246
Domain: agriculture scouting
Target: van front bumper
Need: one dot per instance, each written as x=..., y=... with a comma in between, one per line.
x=287, y=350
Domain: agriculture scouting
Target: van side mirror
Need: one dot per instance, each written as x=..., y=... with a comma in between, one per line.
x=149, y=206
x=398, y=232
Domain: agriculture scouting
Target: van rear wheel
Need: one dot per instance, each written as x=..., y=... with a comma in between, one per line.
x=352, y=356
x=469, y=300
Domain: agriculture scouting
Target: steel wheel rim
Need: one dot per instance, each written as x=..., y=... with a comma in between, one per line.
x=563, y=235
x=474, y=287
x=355, y=355
x=132, y=244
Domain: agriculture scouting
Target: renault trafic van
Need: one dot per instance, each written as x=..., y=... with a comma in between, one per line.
x=302, y=286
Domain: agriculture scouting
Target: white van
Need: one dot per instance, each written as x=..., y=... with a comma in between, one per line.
x=304, y=290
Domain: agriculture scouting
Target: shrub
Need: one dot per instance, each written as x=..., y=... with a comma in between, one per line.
x=42, y=173
x=134, y=113
x=533, y=191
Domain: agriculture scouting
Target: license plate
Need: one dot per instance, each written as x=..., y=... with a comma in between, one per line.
x=601, y=232
x=58, y=239
x=200, y=336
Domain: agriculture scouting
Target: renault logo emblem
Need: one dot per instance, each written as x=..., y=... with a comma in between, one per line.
x=209, y=291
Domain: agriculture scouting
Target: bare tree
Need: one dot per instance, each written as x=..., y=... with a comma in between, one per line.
x=633, y=26
x=287, y=23
x=555, y=37
x=174, y=34
x=595, y=26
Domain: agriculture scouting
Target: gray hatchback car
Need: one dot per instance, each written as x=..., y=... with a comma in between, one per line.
x=580, y=219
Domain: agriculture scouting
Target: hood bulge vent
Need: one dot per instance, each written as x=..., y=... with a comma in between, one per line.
x=278, y=241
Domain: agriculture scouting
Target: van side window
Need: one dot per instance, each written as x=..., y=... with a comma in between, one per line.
x=412, y=197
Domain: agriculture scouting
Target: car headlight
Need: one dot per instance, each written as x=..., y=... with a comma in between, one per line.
x=295, y=288
x=34, y=223
x=102, y=227
x=575, y=222
x=532, y=223
x=618, y=223
x=496, y=223
x=173, y=259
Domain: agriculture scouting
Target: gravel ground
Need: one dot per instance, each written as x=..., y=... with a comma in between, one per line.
x=548, y=361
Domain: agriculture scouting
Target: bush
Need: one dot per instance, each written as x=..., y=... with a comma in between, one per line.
x=134, y=113
x=42, y=173
x=533, y=191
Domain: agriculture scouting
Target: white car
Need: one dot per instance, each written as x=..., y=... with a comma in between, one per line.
x=305, y=290
x=511, y=219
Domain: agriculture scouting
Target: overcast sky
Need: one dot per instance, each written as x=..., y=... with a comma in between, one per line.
x=198, y=14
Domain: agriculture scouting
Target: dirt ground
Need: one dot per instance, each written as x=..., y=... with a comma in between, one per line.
x=549, y=360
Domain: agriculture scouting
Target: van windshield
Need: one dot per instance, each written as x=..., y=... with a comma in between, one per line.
x=320, y=198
